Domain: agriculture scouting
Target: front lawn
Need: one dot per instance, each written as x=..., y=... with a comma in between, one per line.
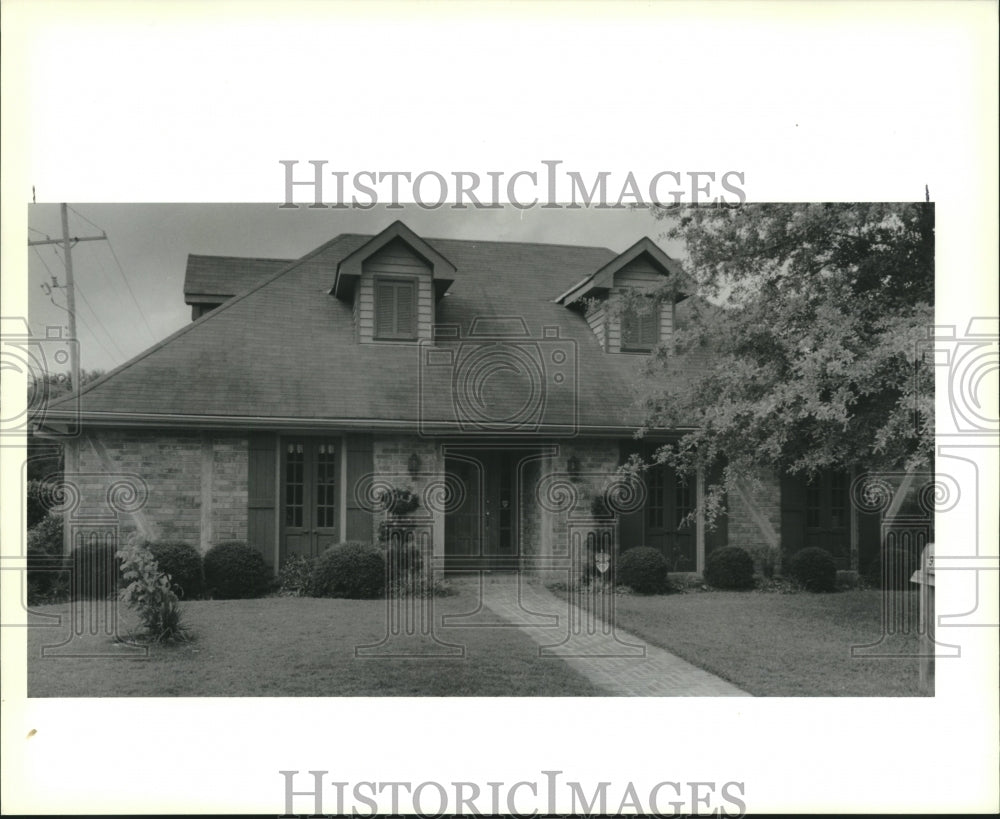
x=781, y=645
x=286, y=647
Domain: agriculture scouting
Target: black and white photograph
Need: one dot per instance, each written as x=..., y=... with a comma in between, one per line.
x=560, y=469
x=463, y=443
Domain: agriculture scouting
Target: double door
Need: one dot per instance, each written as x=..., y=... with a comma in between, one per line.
x=481, y=526
x=310, y=493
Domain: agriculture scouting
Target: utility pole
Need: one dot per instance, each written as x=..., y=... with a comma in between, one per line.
x=67, y=242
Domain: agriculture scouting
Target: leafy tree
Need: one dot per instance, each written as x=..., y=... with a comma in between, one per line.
x=802, y=353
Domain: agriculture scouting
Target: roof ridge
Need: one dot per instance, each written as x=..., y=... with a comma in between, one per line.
x=198, y=322
x=244, y=258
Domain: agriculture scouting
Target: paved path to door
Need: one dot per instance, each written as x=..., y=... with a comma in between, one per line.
x=615, y=660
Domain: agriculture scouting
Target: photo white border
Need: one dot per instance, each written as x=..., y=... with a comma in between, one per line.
x=185, y=102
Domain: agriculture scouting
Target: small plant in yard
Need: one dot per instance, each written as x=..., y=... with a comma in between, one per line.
x=814, y=568
x=729, y=568
x=235, y=570
x=48, y=581
x=643, y=569
x=400, y=501
x=599, y=507
x=182, y=562
x=351, y=569
x=148, y=592
x=765, y=558
x=295, y=576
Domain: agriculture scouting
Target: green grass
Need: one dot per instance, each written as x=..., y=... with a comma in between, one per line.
x=287, y=647
x=781, y=645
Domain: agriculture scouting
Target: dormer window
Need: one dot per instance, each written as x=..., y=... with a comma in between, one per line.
x=393, y=282
x=634, y=327
x=640, y=328
x=395, y=309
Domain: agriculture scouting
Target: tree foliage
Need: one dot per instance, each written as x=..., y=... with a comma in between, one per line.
x=803, y=351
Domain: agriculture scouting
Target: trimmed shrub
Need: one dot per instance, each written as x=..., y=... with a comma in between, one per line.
x=47, y=579
x=900, y=564
x=814, y=568
x=643, y=569
x=95, y=571
x=729, y=568
x=235, y=570
x=182, y=562
x=351, y=569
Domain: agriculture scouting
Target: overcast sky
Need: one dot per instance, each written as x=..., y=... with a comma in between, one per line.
x=152, y=242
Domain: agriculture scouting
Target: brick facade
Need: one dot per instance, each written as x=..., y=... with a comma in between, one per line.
x=391, y=461
x=194, y=484
x=754, y=520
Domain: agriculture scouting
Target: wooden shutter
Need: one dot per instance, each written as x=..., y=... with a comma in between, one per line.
x=640, y=328
x=262, y=494
x=360, y=463
x=629, y=329
x=384, y=309
x=631, y=528
x=405, y=310
x=649, y=327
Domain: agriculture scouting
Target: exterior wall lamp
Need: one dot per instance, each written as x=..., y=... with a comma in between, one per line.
x=413, y=465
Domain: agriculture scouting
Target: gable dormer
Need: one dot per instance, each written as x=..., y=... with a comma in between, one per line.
x=621, y=327
x=393, y=282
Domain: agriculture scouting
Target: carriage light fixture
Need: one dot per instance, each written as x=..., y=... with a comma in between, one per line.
x=413, y=464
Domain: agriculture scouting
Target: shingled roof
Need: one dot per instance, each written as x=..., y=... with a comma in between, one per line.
x=214, y=278
x=284, y=353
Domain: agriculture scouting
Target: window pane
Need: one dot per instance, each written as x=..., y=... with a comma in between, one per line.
x=656, y=482
x=294, y=484
x=326, y=486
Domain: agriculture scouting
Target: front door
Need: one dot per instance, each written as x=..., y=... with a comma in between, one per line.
x=481, y=524
x=310, y=487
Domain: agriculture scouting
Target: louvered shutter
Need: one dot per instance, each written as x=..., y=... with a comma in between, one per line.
x=648, y=328
x=404, y=310
x=384, y=309
x=640, y=328
x=629, y=329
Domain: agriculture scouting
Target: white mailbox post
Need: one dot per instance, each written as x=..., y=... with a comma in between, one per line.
x=924, y=576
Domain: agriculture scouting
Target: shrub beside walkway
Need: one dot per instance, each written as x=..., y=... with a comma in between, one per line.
x=614, y=660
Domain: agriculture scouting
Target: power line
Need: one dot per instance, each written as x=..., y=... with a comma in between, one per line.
x=121, y=271
x=93, y=312
x=109, y=282
x=99, y=321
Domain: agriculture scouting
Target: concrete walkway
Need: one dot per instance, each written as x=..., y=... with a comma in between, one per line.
x=614, y=660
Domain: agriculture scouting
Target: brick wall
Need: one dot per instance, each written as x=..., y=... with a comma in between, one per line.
x=754, y=520
x=598, y=461
x=392, y=464
x=195, y=484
